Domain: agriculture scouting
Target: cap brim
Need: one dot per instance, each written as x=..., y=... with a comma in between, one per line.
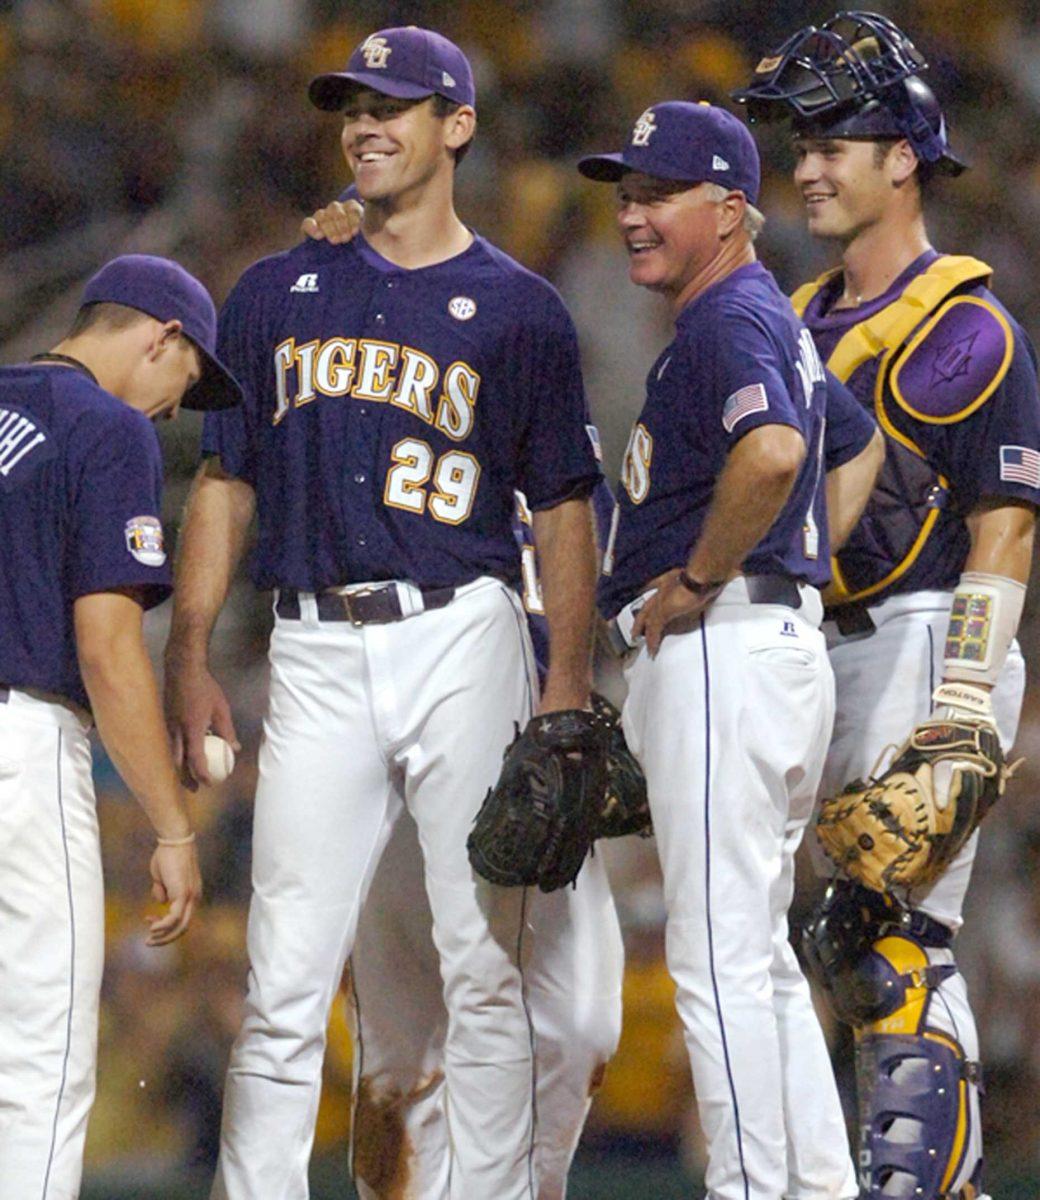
x=329, y=92
x=604, y=168
x=216, y=390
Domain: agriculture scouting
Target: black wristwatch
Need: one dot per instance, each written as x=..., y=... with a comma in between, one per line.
x=701, y=590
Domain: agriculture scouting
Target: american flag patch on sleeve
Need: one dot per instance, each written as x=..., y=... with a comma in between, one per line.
x=743, y=403
x=1020, y=464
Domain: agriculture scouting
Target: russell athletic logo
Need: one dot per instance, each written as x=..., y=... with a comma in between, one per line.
x=306, y=283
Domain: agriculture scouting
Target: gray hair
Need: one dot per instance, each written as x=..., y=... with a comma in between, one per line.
x=754, y=220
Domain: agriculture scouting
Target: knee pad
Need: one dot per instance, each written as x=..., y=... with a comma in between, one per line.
x=914, y=1116
x=868, y=954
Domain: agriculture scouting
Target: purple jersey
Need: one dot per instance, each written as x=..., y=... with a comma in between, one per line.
x=80, y=484
x=740, y=359
x=952, y=377
x=603, y=508
x=391, y=413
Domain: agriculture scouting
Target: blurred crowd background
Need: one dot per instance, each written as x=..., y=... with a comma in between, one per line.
x=182, y=127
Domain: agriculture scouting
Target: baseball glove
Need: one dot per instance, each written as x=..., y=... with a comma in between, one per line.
x=536, y=823
x=624, y=807
x=902, y=828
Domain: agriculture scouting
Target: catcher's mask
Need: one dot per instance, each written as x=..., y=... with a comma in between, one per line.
x=856, y=76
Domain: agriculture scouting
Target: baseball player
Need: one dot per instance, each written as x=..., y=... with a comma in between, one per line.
x=399, y=1136
x=83, y=557
x=928, y=590
x=398, y=390
x=711, y=586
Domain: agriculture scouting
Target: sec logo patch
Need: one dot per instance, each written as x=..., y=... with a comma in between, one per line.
x=144, y=540
x=462, y=308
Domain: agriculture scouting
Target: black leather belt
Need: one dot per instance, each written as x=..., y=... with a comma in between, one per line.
x=852, y=620
x=377, y=605
x=773, y=589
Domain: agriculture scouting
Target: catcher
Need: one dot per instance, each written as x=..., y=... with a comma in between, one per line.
x=927, y=591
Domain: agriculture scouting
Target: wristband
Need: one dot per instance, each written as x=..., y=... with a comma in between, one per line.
x=702, y=590
x=984, y=618
x=181, y=841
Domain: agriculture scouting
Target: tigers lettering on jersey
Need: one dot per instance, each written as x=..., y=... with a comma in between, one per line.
x=386, y=426
x=381, y=372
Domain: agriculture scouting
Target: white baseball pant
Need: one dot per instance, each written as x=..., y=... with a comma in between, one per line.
x=573, y=991
x=362, y=720
x=731, y=723
x=51, y=947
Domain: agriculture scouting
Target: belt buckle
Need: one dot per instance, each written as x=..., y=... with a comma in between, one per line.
x=356, y=594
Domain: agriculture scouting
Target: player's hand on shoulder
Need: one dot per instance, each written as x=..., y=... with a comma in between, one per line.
x=337, y=222
x=672, y=609
x=176, y=881
x=195, y=705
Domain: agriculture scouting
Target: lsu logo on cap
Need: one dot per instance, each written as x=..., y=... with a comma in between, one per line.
x=376, y=52
x=462, y=308
x=644, y=129
x=144, y=540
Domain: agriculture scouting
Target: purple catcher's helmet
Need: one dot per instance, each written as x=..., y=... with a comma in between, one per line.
x=856, y=76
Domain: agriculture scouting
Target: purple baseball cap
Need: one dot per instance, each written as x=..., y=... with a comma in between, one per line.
x=164, y=290
x=407, y=62
x=698, y=143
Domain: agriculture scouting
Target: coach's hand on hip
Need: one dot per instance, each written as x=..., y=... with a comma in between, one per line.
x=674, y=608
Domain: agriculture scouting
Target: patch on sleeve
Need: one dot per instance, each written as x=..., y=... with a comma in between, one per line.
x=743, y=403
x=597, y=449
x=1020, y=464
x=144, y=540
x=955, y=363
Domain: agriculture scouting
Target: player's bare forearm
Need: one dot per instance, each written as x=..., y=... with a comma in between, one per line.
x=213, y=538
x=566, y=547
x=849, y=487
x=751, y=491
x=1002, y=536
x=124, y=696
x=216, y=524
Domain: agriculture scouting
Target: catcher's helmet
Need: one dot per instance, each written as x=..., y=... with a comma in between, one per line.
x=856, y=76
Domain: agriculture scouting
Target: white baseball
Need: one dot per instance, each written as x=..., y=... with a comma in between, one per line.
x=220, y=758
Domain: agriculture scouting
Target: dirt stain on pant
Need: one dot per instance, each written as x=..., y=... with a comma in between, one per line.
x=381, y=1147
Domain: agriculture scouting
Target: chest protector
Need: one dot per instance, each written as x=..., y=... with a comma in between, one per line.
x=910, y=496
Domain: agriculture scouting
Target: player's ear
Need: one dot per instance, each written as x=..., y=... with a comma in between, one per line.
x=460, y=127
x=167, y=334
x=901, y=162
x=730, y=212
